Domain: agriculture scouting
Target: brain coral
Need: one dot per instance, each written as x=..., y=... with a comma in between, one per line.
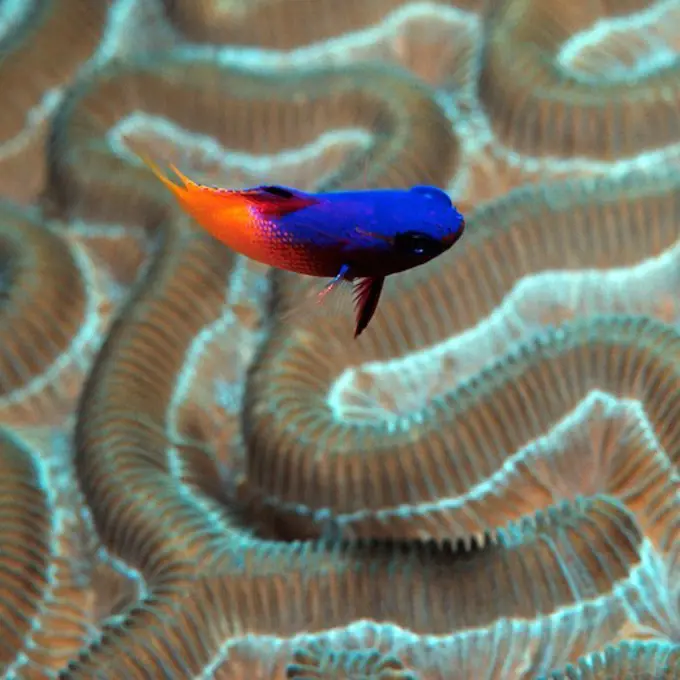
x=198, y=484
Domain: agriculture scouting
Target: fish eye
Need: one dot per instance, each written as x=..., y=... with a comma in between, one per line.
x=418, y=243
x=433, y=193
x=281, y=192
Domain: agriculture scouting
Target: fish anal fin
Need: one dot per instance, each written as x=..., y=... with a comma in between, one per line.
x=366, y=296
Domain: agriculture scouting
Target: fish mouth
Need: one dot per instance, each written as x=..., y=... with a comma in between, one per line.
x=449, y=239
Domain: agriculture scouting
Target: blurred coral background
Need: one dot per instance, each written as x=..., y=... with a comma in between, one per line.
x=197, y=484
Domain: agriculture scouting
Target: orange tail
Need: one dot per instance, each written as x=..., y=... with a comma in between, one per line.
x=235, y=217
x=180, y=192
x=223, y=213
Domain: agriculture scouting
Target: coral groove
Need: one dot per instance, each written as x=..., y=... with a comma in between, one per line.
x=44, y=300
x=273, y=23
x=538, y=107
x=24, y=541
x=281, y=24
x=315, y=661
x=288, y=590
x=43, y=43
x=43, y=52
x=122, y=428
x=42, y=622
x=635, y=660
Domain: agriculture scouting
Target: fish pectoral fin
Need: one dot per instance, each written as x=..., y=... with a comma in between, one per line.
x=337, y=297
x=333, y=300
x=335, y=284
x=366, y=297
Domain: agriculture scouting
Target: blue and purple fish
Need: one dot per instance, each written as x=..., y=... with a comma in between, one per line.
x=359, y=237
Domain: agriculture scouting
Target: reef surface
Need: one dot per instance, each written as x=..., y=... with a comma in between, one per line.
x=484, y=485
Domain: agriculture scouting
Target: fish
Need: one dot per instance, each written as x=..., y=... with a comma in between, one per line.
x=356, y=237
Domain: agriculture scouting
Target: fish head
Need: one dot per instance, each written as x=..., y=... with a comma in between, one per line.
x=424, y=224
x=435, y=224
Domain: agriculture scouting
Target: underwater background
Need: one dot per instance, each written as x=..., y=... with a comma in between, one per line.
x=484, y=485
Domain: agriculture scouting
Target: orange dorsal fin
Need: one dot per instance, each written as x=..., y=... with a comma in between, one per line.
x=269, y=201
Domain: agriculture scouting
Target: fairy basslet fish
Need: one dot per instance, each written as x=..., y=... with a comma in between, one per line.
x=349, y=236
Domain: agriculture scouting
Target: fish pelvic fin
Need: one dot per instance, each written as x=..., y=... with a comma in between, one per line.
x=366, y=297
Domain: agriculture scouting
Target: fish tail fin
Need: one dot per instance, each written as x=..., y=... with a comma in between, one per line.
x=179, y=190
x=182, y=177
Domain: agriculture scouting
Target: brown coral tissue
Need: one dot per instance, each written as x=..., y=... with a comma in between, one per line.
x=196, y=483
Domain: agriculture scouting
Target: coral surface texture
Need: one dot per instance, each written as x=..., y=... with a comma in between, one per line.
x=202, y=476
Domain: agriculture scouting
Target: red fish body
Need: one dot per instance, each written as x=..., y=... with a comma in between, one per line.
x=356, y=236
